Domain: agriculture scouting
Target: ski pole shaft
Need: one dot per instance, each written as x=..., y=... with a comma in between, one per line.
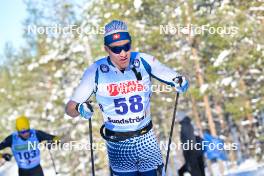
x=171, y=130
x=91, y=145
x=53, y=163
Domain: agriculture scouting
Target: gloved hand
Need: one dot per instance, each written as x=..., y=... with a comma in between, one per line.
x=56, y=140
x=181, y=84
x=85, y=109
x=6, y=156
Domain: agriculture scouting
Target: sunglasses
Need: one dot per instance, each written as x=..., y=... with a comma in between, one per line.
x=24, y=131
x=117, y=49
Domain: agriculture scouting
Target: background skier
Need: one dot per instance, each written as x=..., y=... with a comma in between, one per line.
x=27, y=158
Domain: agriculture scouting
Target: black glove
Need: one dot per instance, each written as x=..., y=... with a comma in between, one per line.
x=7, y=156
x=181, y=84
x=178, y=80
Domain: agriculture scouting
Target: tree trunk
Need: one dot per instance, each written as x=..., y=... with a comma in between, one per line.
x=205, y=97
x=196, y=116
x=247, y=105
x=224, y=126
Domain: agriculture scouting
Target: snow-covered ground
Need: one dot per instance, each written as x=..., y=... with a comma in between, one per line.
x=10, y=169
x=248, y=168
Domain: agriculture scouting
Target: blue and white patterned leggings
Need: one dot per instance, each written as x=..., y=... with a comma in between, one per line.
x=138, y=156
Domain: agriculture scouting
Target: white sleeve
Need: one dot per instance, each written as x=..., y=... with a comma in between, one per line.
x=159, y=70
x=87, y=85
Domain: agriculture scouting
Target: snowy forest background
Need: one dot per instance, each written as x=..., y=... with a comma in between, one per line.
x=226, y=71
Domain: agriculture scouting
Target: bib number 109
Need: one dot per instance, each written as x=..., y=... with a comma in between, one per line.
x=122, y=106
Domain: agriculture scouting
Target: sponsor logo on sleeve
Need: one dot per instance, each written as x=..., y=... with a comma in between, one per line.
x=104, y=68
x=136, y=63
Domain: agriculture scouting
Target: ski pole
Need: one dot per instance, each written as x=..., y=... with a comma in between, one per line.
x=91, y=145
x=53, y=163
x=171, y=130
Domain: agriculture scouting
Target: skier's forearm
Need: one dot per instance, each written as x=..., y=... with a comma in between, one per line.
x=2, y=146
x=159, y=70
x=70, y=109
x=42, y=136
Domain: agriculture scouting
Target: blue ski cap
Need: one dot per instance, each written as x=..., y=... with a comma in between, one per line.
x=116, y=31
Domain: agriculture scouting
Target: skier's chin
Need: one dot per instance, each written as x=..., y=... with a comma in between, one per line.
x=123, y=66
x=25, y=136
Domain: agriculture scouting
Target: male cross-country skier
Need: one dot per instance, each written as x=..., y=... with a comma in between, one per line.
x=121, y=83
x=26, y=156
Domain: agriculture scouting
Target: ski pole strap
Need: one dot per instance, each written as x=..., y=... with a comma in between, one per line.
x=115, y=136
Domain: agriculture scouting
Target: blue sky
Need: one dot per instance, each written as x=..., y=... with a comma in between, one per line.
x=12, y=14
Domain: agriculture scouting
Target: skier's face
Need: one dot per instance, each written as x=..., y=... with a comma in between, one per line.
x=24, y=134
x=119, y=53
